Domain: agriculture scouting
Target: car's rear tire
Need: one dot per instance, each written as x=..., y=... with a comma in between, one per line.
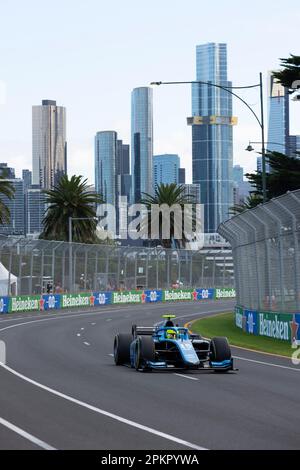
x=122, y=349
x=145, y=351
x=220, y=351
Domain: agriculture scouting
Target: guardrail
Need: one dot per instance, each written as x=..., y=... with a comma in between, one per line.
x=47, y=302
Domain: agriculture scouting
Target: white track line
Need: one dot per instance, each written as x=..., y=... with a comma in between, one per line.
x=266, y=363
x=26, y=435
x=187, y=377
x=87, y=344
x=115, y=417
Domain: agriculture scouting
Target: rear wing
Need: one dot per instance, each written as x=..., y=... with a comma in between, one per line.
x=142, y=331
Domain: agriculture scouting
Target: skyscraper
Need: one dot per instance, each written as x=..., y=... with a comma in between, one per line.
x=165, y=169
x=212, y=123
x=123, y=177
x=181, y=176
x=35, y=207
x=16, y=225
x=27, y=178
x=238, y=174
x=141, y=141
x=279, y=117
x=294, y=144
x=105, y=165
x=49, y=146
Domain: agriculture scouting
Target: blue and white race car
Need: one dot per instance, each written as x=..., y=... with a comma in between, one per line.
x=166, y=346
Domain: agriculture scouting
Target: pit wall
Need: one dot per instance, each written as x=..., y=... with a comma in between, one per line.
x=281, y=326
x=95, y=299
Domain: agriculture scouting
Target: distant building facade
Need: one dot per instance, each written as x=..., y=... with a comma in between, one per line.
x=212, y=134
x=105, y=165
x=141, y=141
x=35, y=208
x=165, y=169
x=49, y=146
x=16, y=226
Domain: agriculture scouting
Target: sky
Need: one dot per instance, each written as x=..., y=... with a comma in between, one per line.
x=88, y=56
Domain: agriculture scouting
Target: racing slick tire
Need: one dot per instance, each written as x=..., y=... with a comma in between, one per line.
x=220, y=351
x=144, y=352
x=122, y=349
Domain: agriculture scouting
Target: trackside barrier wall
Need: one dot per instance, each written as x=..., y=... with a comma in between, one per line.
x=280, y=326
x=266, y=256
x=95, y=299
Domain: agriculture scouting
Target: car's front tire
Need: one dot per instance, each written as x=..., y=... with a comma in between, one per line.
x=122, y=349
x=144, y=352
x=220, y=351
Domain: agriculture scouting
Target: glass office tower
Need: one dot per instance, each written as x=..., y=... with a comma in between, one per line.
x=49, y=146
x=279, y=117
x=212, y=122
x=141, y=141
x=105, y=165
x=165, y=169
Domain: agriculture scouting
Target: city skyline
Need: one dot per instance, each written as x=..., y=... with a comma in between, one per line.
x=94, y=90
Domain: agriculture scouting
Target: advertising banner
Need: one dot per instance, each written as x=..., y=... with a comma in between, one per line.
x=179, y=295
x=276, y=326
x=251, y=325
x=239, y=317
x=50, y=302
x=102, y=298
x=225, y=294
x=131, y=297
x=205, y=294
x=152, y=296
x=76, y=300
x=280, y=326
x=26, y=303
x=4, y=304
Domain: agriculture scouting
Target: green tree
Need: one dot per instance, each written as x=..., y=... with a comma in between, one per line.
x=284, y=175
x=7, y=191
x=71, y=198
x=290, y=72
x=251, y=201
x=169, y=195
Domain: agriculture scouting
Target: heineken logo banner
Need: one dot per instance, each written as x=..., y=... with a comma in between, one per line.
x=30, y=303
x=178, y=295
x=225, y=294
x=76, y=300
x=132, y=297
x=279, y=326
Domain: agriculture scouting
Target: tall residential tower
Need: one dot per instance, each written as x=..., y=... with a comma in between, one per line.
x=49, y=146
x=212, y=122
x=141, y=141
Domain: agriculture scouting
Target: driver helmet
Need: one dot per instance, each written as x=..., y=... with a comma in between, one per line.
x=171, y=334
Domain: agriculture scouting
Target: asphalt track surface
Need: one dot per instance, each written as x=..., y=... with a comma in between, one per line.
x=60, y=389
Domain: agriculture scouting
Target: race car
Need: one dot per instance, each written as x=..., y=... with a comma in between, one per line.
x=166, y=346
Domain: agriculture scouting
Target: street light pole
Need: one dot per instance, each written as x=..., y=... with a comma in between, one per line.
x=70, y=257
x=261, y=121
x=263, y=151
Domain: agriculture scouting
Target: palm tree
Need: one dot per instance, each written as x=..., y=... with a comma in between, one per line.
x=252, y=201
x=169, y=195
x=71, y=198
x=7, y=191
